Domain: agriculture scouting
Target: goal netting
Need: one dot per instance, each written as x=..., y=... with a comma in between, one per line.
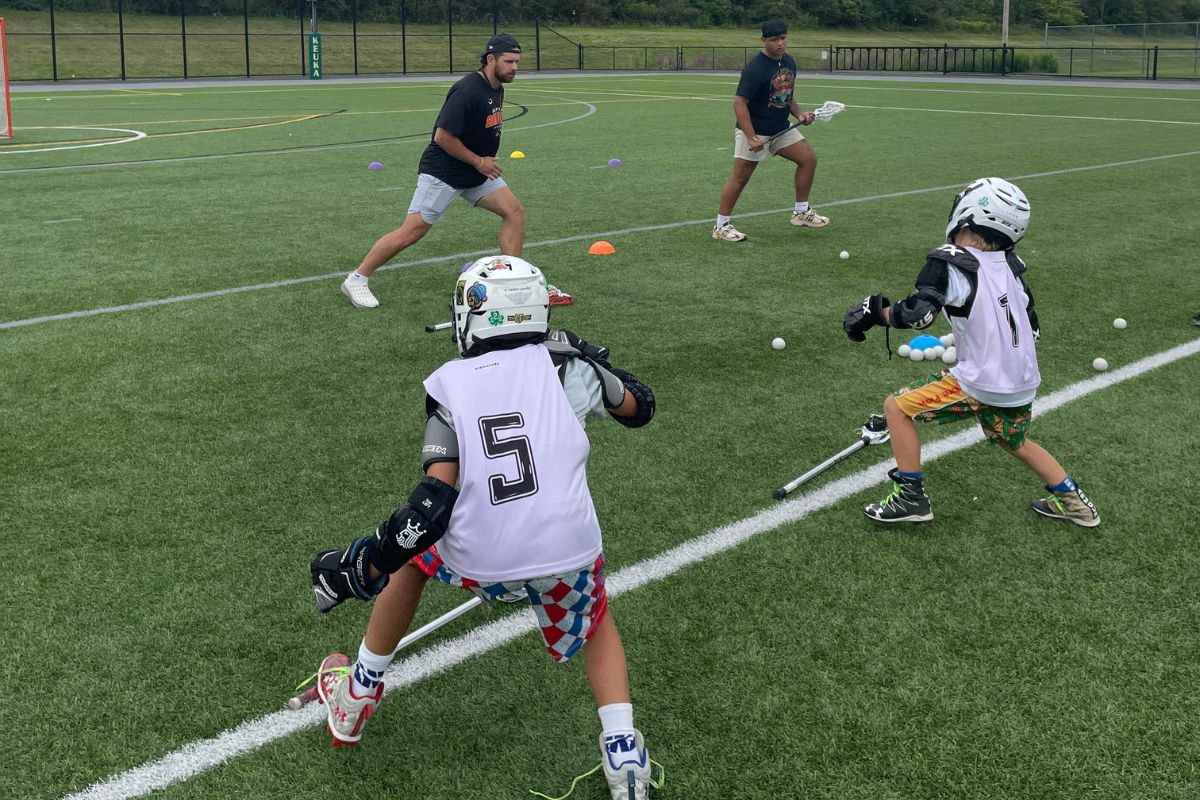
x=5, y=104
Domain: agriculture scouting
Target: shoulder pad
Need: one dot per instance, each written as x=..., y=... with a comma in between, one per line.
x=560, y=351
x=1014, y=262
x=957, y=256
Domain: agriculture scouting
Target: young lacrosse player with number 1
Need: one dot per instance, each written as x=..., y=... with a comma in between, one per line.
x=976, y=280
x=505, y=423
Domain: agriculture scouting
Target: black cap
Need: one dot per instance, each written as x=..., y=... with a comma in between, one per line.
x=773, y=27
x=500, y=43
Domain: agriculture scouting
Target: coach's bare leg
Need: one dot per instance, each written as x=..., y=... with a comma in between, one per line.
x=805, y=159
x=505, y=204
x=394, y=608
x=732, y=190
x=905, y=441
x=408, y=234
x=604, y=660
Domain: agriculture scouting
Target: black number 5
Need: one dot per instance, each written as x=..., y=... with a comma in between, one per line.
x=504, y=490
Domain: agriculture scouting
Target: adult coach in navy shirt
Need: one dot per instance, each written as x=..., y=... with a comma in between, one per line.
x=460, y=161
x=761, y=105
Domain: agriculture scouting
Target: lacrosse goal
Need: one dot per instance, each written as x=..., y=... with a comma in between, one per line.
x=5, y=104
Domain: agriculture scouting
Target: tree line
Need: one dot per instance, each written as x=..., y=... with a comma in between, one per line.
x=968, y=15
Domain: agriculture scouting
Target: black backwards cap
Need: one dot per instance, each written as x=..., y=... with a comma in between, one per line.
x=500, y=43
x=773, y=27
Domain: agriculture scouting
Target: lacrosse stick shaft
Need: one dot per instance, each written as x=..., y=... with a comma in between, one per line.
x=791, y=486
x=441, y=326
x=444, y=619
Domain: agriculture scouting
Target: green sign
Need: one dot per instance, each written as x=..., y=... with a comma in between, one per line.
x=314, y=56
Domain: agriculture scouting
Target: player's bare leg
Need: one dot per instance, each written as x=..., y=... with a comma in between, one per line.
x=505, y=204
x=604, y=660
x=905, y=441
x=1038, y=459
x=394, y=608
x=1067, y=501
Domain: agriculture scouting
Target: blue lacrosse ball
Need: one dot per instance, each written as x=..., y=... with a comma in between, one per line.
x=924, y=342
x=374, y=165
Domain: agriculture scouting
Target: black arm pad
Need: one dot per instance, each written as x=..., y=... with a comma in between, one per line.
x=414, y=527
x=641, y=393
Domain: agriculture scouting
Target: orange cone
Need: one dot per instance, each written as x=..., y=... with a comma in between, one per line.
x=602, y=248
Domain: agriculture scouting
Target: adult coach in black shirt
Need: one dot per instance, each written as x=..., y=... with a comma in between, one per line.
x=459, y=161
x=761, y=105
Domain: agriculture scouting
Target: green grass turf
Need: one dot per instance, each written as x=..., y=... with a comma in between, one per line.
x=169, y=471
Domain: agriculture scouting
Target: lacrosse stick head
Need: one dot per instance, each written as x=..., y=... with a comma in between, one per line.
x=875, y=431
x=826, y=110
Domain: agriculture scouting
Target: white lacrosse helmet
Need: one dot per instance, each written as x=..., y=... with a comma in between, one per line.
x=991, y=203
x=499, y=298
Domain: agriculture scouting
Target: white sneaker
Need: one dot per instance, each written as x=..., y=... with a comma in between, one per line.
x=359, y=294
x=626, y=766
x=728, y=233
x=345, y=714
x=809, y=219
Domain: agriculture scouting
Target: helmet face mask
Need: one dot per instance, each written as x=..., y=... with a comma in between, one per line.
x=499, y=301
x=993, y=204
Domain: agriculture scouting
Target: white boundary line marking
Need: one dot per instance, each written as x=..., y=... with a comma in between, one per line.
x=199, y=757
x=291, y=151
x=472, y=254
x=136, y=135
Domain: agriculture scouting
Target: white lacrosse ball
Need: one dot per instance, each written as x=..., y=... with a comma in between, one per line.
x=1099, y=364
x=844, y=255
x=778, y=343
x=1119, y=323
x=917, y=355
x=947, y=339
x=950, y=356
x=903, y=351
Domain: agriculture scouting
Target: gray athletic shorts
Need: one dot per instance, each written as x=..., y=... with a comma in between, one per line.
x=433, y=196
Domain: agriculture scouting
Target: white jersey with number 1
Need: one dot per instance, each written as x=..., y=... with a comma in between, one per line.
x=524, y=508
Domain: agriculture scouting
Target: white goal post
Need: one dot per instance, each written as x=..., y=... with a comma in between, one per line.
x=5, y=103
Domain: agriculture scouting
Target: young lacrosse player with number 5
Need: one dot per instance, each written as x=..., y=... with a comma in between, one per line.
x=976, y=281
x=505, y=423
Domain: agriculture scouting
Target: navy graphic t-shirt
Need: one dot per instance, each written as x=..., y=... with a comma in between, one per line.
x=767, y=86
x=472, y=112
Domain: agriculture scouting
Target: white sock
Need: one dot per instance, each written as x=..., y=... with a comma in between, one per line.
x=722, y=220
x=616, y=719
x=354, y=278
x=801, y=207
x=368, y=671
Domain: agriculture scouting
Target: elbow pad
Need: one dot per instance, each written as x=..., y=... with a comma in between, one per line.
x=641, y=393
x=414, y=527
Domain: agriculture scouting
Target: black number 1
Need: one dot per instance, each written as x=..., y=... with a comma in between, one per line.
x=504, y=490
x=1012, y=322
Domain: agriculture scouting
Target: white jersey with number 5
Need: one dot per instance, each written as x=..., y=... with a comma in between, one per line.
x=524, y=509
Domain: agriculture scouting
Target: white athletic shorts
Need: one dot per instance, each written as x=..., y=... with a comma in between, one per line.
x=433, y=196
x=741, y=145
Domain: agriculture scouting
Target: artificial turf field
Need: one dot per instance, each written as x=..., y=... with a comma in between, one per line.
x=192, y=409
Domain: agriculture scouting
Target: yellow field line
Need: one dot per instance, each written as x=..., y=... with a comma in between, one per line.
x=147, y=91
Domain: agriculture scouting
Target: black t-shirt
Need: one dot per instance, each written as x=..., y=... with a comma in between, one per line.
x=472, y=112
x=767, y=86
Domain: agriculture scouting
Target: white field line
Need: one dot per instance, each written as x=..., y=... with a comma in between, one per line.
x=201, y=756
x=460, y=257
x=591, y=109
x=1021, y=114
x=57, y=221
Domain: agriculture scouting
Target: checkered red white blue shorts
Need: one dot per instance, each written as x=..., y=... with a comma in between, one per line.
x=569, y=606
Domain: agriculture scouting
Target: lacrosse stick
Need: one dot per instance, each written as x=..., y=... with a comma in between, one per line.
x=441, y=326
x=875, y=431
